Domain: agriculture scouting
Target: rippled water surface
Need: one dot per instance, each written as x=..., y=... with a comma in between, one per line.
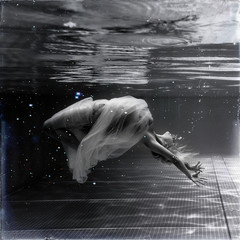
x=157, y=46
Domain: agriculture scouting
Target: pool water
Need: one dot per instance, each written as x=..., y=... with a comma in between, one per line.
x=182, y=58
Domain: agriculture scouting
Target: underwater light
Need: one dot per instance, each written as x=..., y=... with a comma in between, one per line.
x=78, y=94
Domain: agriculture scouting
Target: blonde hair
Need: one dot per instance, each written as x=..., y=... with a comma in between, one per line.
x=180, y=151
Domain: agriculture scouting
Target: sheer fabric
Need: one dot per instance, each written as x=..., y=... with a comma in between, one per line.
x=120, y=125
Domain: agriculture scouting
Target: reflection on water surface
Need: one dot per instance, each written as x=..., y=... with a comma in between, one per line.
x=177, y=47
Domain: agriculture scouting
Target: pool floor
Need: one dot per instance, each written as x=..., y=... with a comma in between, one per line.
x=130, y=199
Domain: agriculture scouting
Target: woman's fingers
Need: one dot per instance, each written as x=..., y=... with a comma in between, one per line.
x=198, y=180
x=199, y=169
x=195, y=177
x=195, y=182
x=196, y=174
x=198, y=165
x=202, y=181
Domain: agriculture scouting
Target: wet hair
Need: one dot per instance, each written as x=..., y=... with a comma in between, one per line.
x=174, y=149
x=179, y=150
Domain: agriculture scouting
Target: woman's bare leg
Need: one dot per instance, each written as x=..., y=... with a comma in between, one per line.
x=67, y=137
x=55, y=127
x=62, y=135
x=57, y=121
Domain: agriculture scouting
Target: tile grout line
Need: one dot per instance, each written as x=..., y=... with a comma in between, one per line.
x=221, y=199
x=229, y=174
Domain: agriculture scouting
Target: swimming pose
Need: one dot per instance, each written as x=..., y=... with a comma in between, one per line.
x=93, y=131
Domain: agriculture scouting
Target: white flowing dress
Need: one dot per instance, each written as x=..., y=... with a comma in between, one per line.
x=120, y=125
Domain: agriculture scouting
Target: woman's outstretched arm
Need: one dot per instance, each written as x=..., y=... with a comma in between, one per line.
x=150, y=141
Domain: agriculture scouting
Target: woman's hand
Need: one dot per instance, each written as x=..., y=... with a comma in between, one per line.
x=196, y=168
x=198, y=180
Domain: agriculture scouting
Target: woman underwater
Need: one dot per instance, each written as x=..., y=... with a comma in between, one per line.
x=93, y=131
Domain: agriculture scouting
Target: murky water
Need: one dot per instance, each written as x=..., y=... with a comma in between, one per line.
x=181, y=57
